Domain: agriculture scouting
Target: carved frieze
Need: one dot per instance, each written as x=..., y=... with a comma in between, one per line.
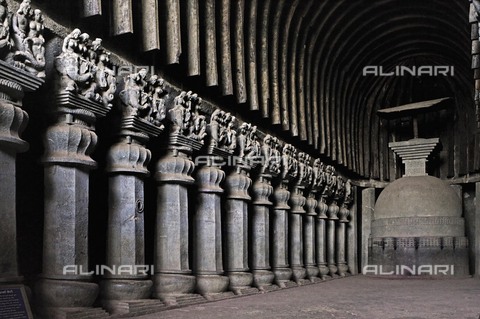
x=143, y=104
x=305, y=171
x=346, y=189
x=223, y=136
x=318, y=175
x=86, y=79
x=249, y=149
x=330, y=191
x=21, y=38
x=289, y=163
x=330, y=182
x=188, y=128
x=303, y=176
x=320, y=181
x=272, y=158
x=315, y=179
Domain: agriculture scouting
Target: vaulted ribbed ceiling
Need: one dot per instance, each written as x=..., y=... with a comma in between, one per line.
x=294, y=67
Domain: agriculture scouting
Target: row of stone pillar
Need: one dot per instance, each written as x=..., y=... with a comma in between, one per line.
x=262, y=233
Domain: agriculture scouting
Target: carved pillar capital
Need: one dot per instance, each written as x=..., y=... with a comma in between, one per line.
x=304, y=178
x=209, y=176
x=175, y=168
x=347, y=202
x=311, y=203
x=262, y=189
x=333, y=210
x=128, y=156
x=70, y=145
x=237, y=184
x=13, y=121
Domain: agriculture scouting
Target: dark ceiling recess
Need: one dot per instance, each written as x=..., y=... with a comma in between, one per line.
x=295, y=67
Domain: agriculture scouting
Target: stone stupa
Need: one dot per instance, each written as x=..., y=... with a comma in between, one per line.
x=417, y=227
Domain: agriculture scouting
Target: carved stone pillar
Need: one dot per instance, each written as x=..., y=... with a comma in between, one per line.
x=280, y=264
x=340, y=240
x=127, y=166
x=260, y=248
x=348, y=210
x=333, y=209
x=319, y=187
x=276, y=163
x=16, y=79
x=309, y=222
x=237, y=184
x=331, y=227
x=69, y=142
x=321, y=238
x=368, y=203
x=352, y=254
x=297, y=201
x=173, y=277
x=208, y=231
x=309, y=179
x=13, y=121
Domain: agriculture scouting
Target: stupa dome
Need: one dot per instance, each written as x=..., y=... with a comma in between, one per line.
x=418, y=206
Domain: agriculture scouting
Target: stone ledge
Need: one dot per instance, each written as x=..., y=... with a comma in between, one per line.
x=27, y=81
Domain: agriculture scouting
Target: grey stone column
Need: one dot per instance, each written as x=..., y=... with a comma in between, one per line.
x=237, y=184
x=296, y=234
x=247, y=151
x=208, y=232
x=368, y=204
x=260, y=233
x=222, y=142
x=352, y=255
x=20, y=72
x=173, y=280
x=68, y=144
x=331, y=227
x=173, y=277
x=126, y=164
x=276, y=164
x=341, y=241
x=84, y=92
x=281, y=269
x=13, y=121
x=297, y=202
x=309, y=226
x=321, y=238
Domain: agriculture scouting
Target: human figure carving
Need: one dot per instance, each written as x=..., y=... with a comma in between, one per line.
x=84, y=68
x=21, y=38
x=5, y=41
x=20, y=24
x=254, y=148
x=69, y=62
x=185, y=117
x=143, y=98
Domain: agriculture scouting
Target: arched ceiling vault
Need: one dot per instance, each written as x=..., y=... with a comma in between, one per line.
x=294, y=67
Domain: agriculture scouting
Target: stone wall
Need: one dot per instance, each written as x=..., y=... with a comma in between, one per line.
x=136, y=173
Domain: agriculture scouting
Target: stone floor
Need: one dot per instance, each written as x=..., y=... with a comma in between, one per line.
x=353, y=297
